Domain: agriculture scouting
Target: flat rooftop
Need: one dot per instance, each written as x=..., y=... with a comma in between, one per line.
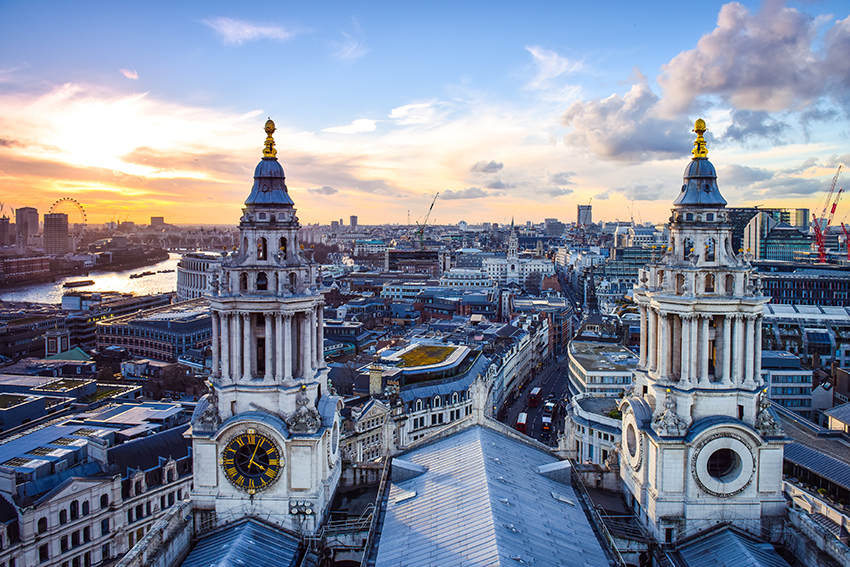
x=599, y=406
x=603, y=357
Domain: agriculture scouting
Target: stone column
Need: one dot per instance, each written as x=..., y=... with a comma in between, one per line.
x=757, y=350
x=676, y=345
x=663, y=350
x=287, y=347
x=225, y=346
x=727, y=350
x=278, y=346
x=652, y=339
x=215, y=346
x=237, y=345
x=694, y=367
x=269, y=342
x=314, y=338
x=320, y=332
x=738, y=355
x=749, y=357
x=643, y=337
x=246, y=348
x=703, y=347
x=687, y=322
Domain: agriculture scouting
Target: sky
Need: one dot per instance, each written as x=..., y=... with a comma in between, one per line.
x=509, y=110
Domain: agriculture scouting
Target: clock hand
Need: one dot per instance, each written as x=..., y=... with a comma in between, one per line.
x=251, y=462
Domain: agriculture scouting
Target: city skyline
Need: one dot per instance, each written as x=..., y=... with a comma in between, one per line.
x=506, y=111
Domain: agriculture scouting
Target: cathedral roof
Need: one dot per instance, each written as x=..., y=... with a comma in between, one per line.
x=699, y=187
x=269, y=181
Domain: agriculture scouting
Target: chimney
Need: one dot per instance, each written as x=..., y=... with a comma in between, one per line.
x=376, y=374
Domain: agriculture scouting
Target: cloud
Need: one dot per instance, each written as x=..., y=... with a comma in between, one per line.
x=602, y=196
x=323, y=190
x=9, y=143
x=789, y=187
x=562, y=178
x=646, y=190
x=499, y=184
x=622, y=128
x=468, y=193
x=129, y=74
x=236, y=32
x=747, y=124
x=549, y=66
x=353, y=45
x=487, y=167
x=418, y=113
x=556, y=191
x=356, y=127
x=742, y=176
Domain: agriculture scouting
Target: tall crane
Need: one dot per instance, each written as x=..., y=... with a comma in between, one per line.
x=821, y=224
x=421, y=226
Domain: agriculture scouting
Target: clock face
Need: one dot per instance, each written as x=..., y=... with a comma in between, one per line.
x=251, y=461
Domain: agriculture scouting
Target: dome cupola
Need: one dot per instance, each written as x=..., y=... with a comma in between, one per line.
x=699, y=186
x=269, y=188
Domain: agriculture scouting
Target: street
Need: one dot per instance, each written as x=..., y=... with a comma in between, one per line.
x=552, y=380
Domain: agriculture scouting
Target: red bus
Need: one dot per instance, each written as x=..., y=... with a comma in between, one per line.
x=534, y=398
x=520, y=422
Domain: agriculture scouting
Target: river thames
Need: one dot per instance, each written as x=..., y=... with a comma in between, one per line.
x=51, y=292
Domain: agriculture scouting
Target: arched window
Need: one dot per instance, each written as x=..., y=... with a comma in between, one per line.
x=710, y=249
x=85, y=508
x=243, y=282
x=75, y=510
x=244, y=245
x=709, y=283
x=261, y=248
x=63, y=517
x=687, y=248
x=283, y=247
x=730, y=284
x=169, y=475
x=454, y=398
x=293, y=280
x=104, y=501
x=138, y=487
x=436, y=401
x=262, y=282
x=42, y=525
x=418, y=405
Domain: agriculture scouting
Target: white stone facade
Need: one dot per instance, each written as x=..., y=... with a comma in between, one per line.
x=512, y=268
x=268, y=371
x=700, y=442
x=195, y=275
x=464, y=278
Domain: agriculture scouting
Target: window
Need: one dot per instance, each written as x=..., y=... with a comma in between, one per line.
x=75, y=510
x=436, y=401
x=104, y=501
x=261, y=249
x=130, y=516
x=283, y=248
x=148, y=509
x=43, y=554
x=169, y=475
x=162, y=502
x=42, y=525
x=63, y=516
x=140, y=512
x=139, y=487
x=63, y=544
x=243, y=282
x=262, y=282
x=104, y=552
x=86, y=508
x=104, y=526
x=75, y=539
x=86, y=534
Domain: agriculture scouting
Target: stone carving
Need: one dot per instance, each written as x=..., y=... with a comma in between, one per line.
x=668, y=421
x=644, y=279
x=306, y=418
x=693, y=258
x=214, y=285
x=613, y=457
x=765, y=424
x=208, y=419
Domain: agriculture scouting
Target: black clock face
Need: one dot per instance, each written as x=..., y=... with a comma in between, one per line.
x=251, y=461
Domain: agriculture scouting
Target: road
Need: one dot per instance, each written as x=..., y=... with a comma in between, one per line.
x=551, y=380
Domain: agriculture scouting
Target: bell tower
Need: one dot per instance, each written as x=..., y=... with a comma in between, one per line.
x=266, y=439
x=700, y=443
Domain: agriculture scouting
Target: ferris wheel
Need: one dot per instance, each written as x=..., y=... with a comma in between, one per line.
x=75, y=211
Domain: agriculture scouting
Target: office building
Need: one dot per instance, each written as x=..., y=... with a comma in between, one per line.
x=56, y=234
x=26, y=225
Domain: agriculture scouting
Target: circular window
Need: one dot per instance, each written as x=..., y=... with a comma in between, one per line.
x=724, y=465
x=631, y=440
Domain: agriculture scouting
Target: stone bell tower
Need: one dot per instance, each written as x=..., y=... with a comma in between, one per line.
x=700, y=444
x=266, y=439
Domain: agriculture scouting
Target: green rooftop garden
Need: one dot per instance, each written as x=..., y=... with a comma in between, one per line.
x=65, y=384
x=423, y=355
x=10, y=400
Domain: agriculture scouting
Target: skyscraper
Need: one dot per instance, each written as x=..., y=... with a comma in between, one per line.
x=353, y=220
x=585, y=216
x=26, y=225
x=56, y=233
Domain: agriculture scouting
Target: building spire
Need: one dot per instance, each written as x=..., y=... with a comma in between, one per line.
x=700, y=149
x=269, y=151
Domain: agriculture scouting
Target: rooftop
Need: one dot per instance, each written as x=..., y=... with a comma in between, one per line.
x=603, y=357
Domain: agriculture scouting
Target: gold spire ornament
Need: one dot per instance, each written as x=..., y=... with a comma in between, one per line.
x=700, y=149
x=269, y=151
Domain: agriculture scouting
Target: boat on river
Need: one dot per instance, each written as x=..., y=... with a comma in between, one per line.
x=78, y=283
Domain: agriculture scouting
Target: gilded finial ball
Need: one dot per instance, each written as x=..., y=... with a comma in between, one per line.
x=699, y=126
x=302, y=247
x=269, y=127
x=668, y=390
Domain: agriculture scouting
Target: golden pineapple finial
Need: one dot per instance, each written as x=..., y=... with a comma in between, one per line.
x=269, y=151
x=700, y=149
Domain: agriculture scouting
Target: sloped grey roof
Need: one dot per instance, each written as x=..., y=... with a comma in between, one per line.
x=246, y=543
x=482, y=502
x=727, y=548
x=823, y=465
x=841, y=413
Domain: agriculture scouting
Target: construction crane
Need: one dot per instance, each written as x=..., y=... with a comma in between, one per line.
x=421, y=226
x=821, y=224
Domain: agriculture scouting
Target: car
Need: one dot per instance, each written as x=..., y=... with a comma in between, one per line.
x=548, y=408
